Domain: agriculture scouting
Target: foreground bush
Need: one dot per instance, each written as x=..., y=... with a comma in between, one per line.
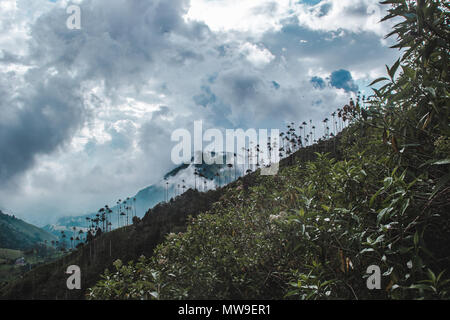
x=312, y=231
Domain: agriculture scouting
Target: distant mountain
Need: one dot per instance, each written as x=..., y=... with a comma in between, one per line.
x=17, y=234
x=172, y=184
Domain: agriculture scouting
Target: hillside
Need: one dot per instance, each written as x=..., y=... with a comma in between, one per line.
x=130, y=243
x=17, y=234
x=147, y=197
x=362, y=214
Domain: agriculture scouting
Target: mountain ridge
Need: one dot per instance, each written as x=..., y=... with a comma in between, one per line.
x=17, y=234
x=150, y=196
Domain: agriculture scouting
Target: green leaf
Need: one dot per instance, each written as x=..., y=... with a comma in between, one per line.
x=378, y=80
x=416, y=238
x=366, y=250
x=405, y=206
x=419, y=287
x=372, y=199
x=441, y=162
x=393, y=70
x=409, y=72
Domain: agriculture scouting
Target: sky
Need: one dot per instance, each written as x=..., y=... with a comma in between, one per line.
x=86, y=115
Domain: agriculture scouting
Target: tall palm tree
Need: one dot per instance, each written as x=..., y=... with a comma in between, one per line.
x=235, y=156
x=106, y=213
x=74, y=230
x=100, y=214
x=122, y=214
x=304, y=124
x=230, y=166
x=63, y=236
x=334, y=121
x=325, y=121
x=245, y=157
x=88, y=220
x=119, y=209
x=127, y=207
x=218, y=176
x=167, y=191
x=195, y=179
x=109, y=212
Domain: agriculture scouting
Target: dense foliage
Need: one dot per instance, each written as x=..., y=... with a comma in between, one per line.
x=17, y=234
x=127, y=243
x=312, y=231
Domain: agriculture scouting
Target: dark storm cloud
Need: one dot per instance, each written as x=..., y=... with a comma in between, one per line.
x=342, y=79
x=118, y=44
x=37, y=121
x=324, y=9
x=205, y=98
x=318, y=82
x=244, y=87
x=8, y=57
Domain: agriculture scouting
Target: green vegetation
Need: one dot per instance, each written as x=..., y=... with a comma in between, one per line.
x=17, y=234
x=19, y=239
x=48, y=281
x=32, y=257
x=9, y=254
x=312, y=231
x=377, y=193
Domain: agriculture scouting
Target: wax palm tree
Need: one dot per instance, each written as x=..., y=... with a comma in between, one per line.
x=195, y=179
x=122, y=214
x=218, y=177
x=230, y=166
x=334, y=120
x=301, y=128
x=235, y=166
x=304, y=124
x=63, y=236
x=100, y=214
x=167, y=191
x=325, y=121
x=126, y=202
x=109, y=212
x=88, y=220
x=74, y=230
x=119, y=210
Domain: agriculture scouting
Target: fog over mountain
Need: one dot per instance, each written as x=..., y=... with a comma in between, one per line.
x=87, y=114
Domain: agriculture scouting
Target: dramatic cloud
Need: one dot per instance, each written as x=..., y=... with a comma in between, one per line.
x=318, y=82
x=87, y=114
x=342, y=79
